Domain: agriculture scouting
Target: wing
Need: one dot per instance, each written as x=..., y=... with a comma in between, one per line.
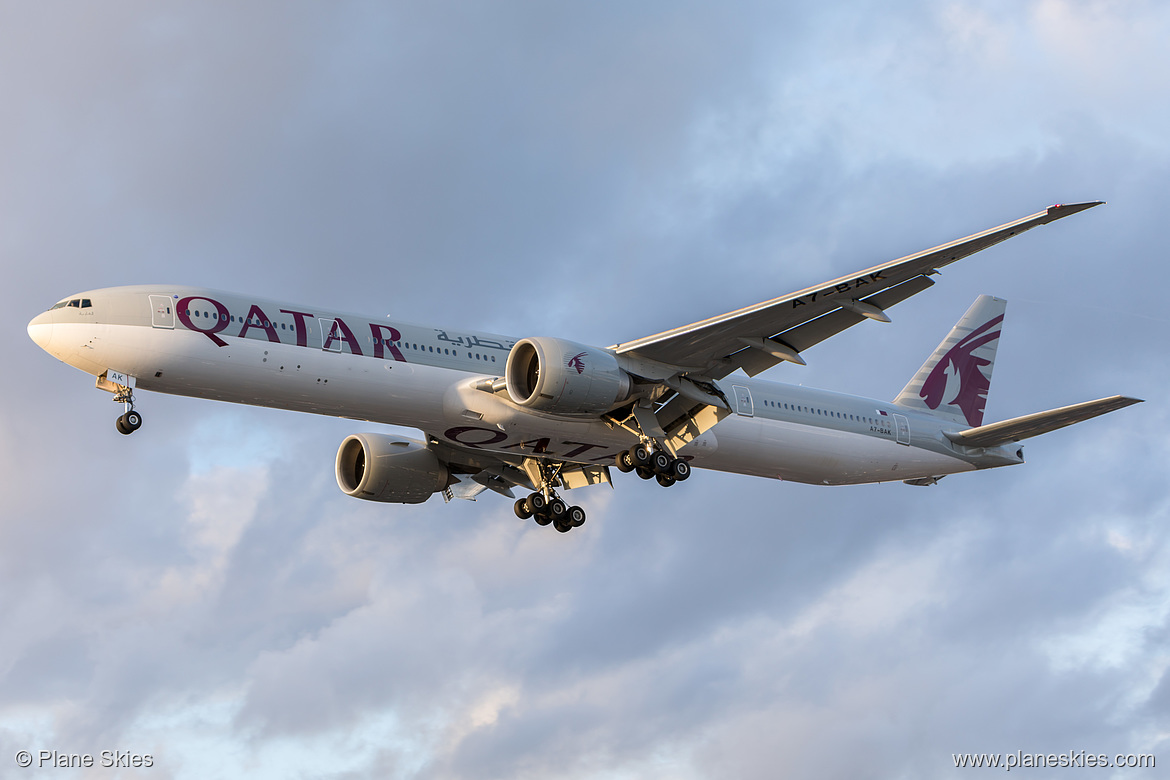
x=476, y=470
x=760, y=336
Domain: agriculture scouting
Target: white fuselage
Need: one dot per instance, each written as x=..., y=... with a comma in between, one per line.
x=240, y=349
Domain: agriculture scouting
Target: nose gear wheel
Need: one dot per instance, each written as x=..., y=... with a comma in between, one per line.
x=131, y=420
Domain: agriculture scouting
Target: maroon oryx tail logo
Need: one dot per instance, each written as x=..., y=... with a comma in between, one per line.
x=577, y=362
x=961, y=362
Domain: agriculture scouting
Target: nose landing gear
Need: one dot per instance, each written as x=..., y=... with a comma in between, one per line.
x=122, y=386
x=130, y=420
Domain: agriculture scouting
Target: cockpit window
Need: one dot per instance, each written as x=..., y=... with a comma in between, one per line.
x=73, y=303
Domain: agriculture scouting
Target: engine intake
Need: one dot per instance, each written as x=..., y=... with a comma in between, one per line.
x=374, y=467
x=563, y=377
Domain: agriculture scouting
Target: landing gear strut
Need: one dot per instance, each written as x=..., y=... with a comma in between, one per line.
x=546, y=507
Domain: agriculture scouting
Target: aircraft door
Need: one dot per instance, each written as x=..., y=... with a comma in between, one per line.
x=162, y=311
x=743, y=401
x=330, y=337
x=903, y=429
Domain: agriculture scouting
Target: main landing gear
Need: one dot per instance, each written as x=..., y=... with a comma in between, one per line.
x=131, y=420
x=657, y=465
x=546, y=507
x=563, y=517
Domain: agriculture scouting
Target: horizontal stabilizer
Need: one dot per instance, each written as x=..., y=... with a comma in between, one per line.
x=1030, y=425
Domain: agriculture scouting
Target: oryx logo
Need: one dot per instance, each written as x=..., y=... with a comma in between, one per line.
x=577, y=362
x=963, y=367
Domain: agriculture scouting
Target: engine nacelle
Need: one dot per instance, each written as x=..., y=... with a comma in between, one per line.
x=563, y=377
x=374, y=467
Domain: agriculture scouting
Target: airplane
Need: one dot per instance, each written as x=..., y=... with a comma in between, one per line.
x=540, y=414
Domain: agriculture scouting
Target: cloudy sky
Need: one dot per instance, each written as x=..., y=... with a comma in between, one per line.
x=202, y=591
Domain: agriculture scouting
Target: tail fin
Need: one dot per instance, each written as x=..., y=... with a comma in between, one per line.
x=954, y=381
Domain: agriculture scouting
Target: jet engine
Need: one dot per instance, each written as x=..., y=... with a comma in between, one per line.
x=563, y=377
x=374, y=467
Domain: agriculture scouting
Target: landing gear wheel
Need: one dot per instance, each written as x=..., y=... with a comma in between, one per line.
x=562, y=526
x=129, y=422
x=639, y=455
x=521, y=508
x=542, y=518
x=624, y=464
x=557, y=509
x=644, y=472
x=660, y=462
x=680, y=469
x=575, y=516
x=664, y=480
x=536, y=503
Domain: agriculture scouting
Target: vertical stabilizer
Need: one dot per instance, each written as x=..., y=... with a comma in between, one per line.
x=954, y=381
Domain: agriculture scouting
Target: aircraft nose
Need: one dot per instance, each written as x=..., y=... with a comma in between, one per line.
x=40, y=330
